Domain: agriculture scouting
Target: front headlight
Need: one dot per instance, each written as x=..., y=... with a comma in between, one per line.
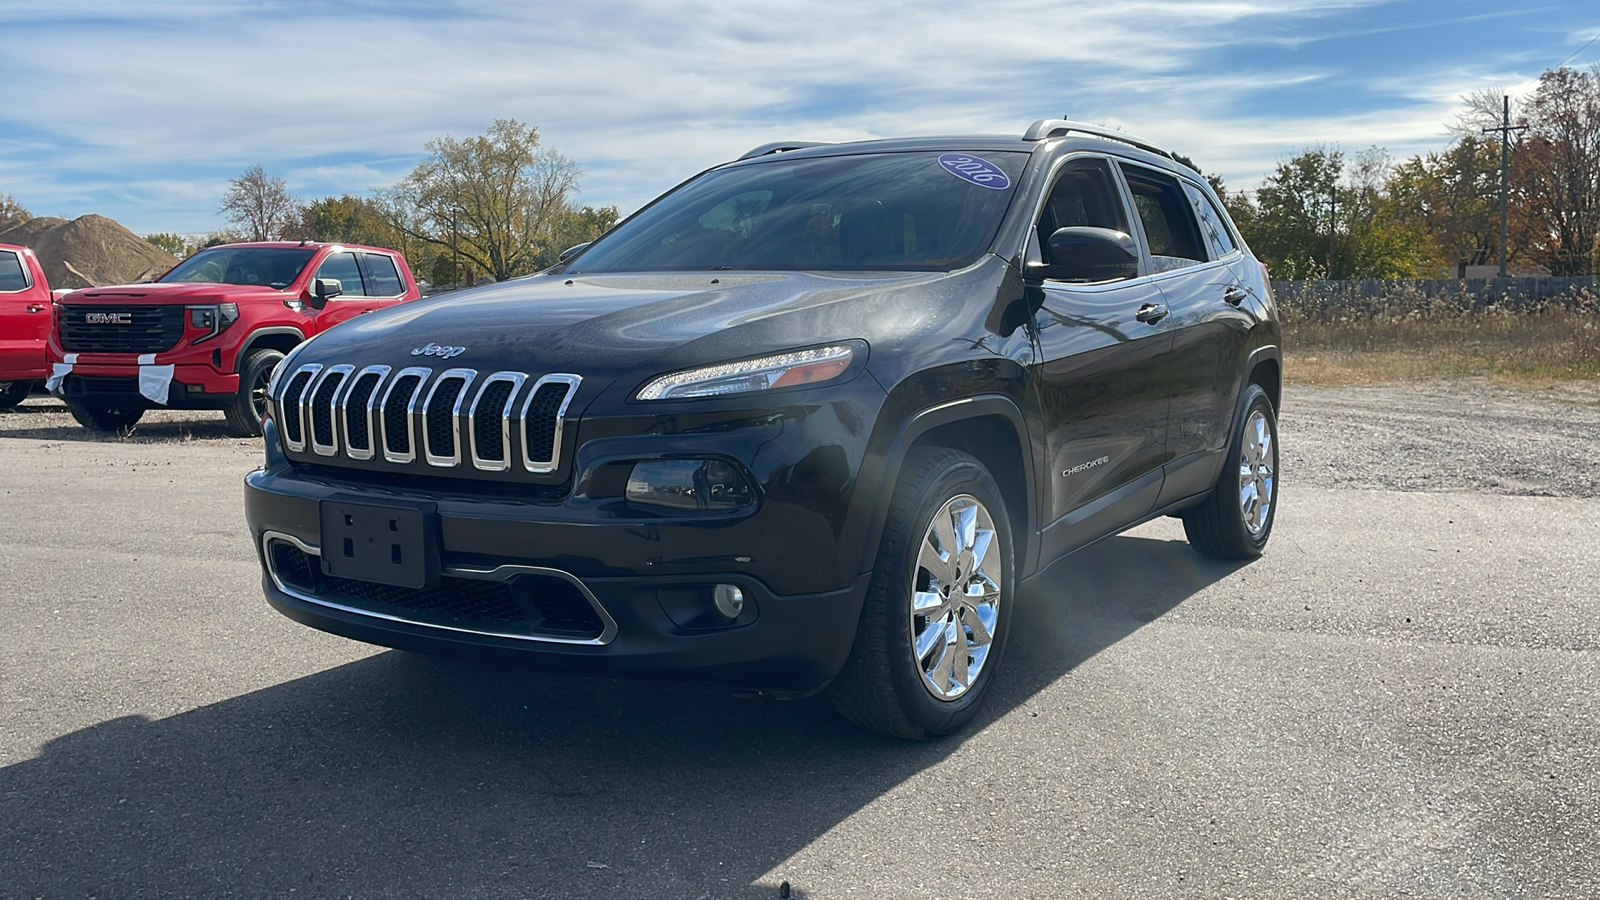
x=777, y=371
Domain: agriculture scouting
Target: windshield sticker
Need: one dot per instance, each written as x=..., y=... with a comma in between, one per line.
x=980, y=172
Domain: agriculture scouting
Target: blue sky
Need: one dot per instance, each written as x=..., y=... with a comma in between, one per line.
x=141, y=110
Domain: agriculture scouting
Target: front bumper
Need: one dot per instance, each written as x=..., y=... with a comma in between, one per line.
x=184, y=387
x=645, y=613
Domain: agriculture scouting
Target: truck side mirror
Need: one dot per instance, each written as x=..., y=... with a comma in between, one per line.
x=1083, y=253
x=323, y=290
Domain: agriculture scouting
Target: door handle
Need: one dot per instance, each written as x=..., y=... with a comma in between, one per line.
x=1234, y=295
x=34, y=307
x=1151, y=313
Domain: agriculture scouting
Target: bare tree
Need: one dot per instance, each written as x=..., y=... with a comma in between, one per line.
x=11, y=212
x=260, y=205
x=498, y=200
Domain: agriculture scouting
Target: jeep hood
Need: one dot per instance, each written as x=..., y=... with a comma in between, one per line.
x=608, y=325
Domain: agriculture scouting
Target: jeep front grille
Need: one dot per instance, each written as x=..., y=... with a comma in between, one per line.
x=450, y=420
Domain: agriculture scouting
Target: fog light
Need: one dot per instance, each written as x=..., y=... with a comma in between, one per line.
x=698, y=484
x=729, y=600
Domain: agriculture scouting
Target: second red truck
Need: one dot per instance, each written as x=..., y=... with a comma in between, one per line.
x=207, y=334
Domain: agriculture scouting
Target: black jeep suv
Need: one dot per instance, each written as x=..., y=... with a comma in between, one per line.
x=804, y=422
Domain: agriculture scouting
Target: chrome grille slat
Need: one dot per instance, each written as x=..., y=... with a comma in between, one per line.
x=493, y=422
x=457, y=418
x=323, y=403
x=402, y=447
x=547, y=462
x=291, y=408
x=436, y=420
x=364, y=396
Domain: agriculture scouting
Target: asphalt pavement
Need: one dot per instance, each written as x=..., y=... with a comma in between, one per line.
x=1398, y=700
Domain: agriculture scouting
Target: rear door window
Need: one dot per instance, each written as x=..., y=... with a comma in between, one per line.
x=343, y=267
x=1167, y=217
x=381, y=275
x=1212, y=226
x=13, y=273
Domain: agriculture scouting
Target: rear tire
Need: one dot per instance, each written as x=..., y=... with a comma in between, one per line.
x=249, y=405
x=14, y=392
x=106, y=415
x=938, y=608
x=1235, y=521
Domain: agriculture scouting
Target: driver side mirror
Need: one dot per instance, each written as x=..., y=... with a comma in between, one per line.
x=1086, y=254
x=323, y=290
x=572, y=251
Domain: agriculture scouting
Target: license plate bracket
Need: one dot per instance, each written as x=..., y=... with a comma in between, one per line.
x=390, y=544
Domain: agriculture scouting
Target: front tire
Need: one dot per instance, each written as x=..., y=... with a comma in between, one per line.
x=249, y=405
x=938, y=608
x=1235, y=521
x=106, y=415
x=14, y=392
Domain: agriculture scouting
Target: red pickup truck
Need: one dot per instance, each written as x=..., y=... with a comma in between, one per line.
x=207, y=334
x=24, y=324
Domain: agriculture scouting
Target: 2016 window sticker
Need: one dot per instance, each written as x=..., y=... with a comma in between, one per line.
x=975, y=169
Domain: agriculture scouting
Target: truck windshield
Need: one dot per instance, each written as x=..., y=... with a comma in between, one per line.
x=274, y=267
x=917, y=211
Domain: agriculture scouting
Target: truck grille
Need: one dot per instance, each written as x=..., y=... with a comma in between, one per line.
x=101, y=328
x=452, y=420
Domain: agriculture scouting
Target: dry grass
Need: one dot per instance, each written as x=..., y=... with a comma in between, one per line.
x=1407, y=337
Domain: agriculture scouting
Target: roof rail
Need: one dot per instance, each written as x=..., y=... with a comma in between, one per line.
x=781, y=147
x=1045, y=129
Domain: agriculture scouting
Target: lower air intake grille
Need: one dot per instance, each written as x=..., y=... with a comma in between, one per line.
x=527, y=605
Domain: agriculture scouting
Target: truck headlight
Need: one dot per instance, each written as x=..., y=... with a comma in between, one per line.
x=212, y=319
x=764, y=373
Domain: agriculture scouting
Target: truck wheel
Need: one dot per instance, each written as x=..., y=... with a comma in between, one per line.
x=938, y=607
x=249, y=406
x=14, y=392
x=1235, y=521
x=106, y=415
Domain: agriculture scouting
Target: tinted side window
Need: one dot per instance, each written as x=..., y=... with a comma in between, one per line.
x=1084, y=195
x=13, y=274
x=1212, y=226
x=1168, y=219
x=343, y=267
x=382, y=278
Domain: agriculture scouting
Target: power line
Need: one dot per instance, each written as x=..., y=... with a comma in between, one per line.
x=1577, y=51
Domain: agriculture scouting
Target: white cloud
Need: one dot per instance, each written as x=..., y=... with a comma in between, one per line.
x=341, y=97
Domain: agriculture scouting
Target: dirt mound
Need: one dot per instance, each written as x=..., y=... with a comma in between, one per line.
x=25, y=233
x=89, y=251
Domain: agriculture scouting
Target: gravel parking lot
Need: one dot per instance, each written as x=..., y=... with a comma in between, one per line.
x=1398, y=700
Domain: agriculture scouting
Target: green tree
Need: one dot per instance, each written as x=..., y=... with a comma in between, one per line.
x=1289, y=222
x=496, y=201
x=1453, y=199
x=354, y=220
x=578, y=226
x=172, y=243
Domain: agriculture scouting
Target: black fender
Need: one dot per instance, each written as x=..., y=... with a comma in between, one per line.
x=1024, y=532
x=258, y=337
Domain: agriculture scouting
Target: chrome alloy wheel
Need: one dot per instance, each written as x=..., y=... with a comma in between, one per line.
x=955, y=600
x=1256, y=473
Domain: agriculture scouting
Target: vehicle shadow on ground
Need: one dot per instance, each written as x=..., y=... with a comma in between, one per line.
x=402, y=776
x=48, y=420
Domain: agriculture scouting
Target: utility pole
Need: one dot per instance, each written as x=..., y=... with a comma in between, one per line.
x=1504, y=131
x=1333, y=201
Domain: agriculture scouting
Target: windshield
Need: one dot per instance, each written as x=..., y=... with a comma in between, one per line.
x=923, y=211
x=269, y=266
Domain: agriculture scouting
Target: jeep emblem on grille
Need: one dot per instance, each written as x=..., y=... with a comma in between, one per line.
x=108, y=318
x=436, y=350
